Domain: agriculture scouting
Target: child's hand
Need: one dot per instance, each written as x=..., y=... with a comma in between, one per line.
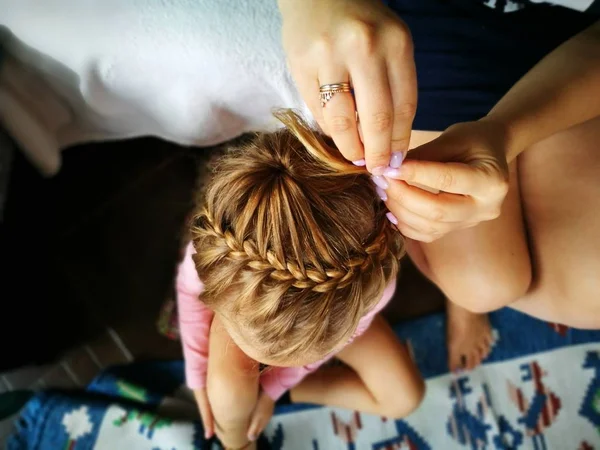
x=261, y=416
x=206, y=413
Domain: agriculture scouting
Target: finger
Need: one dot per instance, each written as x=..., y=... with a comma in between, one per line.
x=455, y=178
x=339, y=116
x=308, y=87
x=402, y=76
x=420, y=223
x=206, y=416
x=412, y=233
x=440, y=207
x=207, y=422
x=375, y=110
x=257, y=425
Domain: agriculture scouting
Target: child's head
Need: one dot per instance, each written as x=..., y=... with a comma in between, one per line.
x=292, y=244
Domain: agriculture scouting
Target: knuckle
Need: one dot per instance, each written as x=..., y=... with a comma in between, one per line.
x=340, y=124
x=445, y=180
x=494, y=213
x=400, y=39
x=437, y=214
x=361, y=36
x=503, y=187
x=431, y=231
x=406, y=111
x=322, y=47
x=381, y=121
x=400, y=143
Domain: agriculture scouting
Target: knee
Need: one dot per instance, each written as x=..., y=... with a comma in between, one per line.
x=402, y=403
x=485, y=291
x=230, y=401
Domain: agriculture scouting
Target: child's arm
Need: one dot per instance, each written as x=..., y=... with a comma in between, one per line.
x=381, y=377
x=194, y=321
x=232, y=387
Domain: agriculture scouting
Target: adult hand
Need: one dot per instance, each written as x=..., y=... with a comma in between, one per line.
x=365, y=43
x=465, y=175
x=206, y=413
x=261, y=416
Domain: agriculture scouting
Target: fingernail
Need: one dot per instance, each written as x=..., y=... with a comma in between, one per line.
x=396, y=160
x=382, y=195
x=206, y=435
x=380, y=181
x=392, y=173
x=392, y=218
x=252, y=437
x=378, y=171
x=359, y=163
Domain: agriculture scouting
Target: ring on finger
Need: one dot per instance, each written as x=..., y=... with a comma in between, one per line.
x=326, y=91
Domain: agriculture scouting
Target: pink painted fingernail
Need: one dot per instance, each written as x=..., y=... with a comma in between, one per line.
x=391, y=172
x=207, y=435
x=252, y=437
x=380, y=181
x=382, y=195
x=378, y=171
x=396, y=160
x=359, y=163
x=392, y=218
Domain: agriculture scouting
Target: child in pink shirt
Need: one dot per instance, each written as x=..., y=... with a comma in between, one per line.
x=290, y=263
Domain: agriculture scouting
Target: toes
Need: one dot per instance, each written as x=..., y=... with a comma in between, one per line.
x=454, y=361
x=475, y=360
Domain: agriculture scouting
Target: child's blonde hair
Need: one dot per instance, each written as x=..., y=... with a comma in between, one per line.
x=292, y=242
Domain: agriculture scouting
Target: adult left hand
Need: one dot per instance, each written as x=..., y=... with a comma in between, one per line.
x=463, y=176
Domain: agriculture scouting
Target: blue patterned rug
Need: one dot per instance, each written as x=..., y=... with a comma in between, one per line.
x=539, y=389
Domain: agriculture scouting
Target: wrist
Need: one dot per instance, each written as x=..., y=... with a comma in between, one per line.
x=511, y=136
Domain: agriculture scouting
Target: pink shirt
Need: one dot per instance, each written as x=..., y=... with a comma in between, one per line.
x=194, y=324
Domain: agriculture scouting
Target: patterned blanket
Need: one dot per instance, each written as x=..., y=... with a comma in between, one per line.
x=539, y=389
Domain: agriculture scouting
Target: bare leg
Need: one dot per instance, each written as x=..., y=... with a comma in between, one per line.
x=560, y=185
x=380, y=376
x=478, y=269
x=469, y=337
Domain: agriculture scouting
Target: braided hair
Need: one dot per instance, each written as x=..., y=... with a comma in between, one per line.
x=291, y=243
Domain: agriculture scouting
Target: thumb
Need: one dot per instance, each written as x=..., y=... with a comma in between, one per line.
x=256, y=427
x=455, y=178
x=206, y=414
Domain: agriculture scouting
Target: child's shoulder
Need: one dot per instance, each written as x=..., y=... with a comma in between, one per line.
x=187, y=276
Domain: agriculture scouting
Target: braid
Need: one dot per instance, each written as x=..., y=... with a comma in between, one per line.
x=290, y=243
x=317, y=279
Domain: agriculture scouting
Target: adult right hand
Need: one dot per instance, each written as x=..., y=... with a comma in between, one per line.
x=467, y=171
x=362, y=42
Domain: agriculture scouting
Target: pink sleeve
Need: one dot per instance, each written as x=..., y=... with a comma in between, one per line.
x=194, y=321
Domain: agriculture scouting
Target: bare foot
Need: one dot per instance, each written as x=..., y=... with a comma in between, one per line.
x=469, y=338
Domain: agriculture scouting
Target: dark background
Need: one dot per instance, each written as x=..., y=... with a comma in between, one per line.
x=97, y=246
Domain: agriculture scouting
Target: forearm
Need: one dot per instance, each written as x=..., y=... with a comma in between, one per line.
x=232, y=405
x=561, y=91
x=232, y=387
